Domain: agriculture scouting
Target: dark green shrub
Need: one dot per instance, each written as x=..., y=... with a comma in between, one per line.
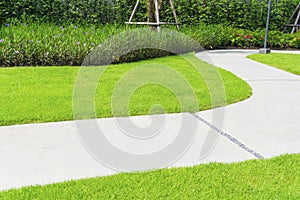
x=246, y=14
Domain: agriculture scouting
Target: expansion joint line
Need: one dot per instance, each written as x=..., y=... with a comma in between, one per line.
x=273, y=80
x=231, y=138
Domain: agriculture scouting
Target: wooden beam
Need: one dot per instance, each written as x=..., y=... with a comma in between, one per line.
x=294, y=13
x=296, y=22
x=293, y=25
x=134, y=10
x=153, y=23
x=175, y=16
x=298, y=6
x=157, y=14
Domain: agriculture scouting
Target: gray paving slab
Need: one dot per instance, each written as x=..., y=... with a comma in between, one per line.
x=52, y=152
x=268, y=122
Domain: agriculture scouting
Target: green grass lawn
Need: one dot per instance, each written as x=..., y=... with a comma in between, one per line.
x=277, y=178
x=287, y=62
x=44, y=94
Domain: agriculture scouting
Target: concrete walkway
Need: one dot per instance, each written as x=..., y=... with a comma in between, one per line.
x=263, y=126
x=268, y=122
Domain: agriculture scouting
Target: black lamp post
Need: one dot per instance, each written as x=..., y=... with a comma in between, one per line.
x=266, y=50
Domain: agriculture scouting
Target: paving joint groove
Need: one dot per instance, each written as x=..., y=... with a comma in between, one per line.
x=231, y=138
x=270, y=80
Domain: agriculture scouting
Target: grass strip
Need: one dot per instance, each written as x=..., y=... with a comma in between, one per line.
x=44, y=94
x=277, y=178
x=286, y=62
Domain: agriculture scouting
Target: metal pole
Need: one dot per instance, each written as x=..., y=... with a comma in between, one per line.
x=268, y=23
x=265, y=50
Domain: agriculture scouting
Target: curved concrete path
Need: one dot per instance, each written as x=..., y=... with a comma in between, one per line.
x=268, y=122
x=265, y=125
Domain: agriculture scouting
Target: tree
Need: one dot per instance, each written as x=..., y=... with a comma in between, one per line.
x=151, y=10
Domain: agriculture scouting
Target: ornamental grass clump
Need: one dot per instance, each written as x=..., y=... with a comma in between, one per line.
x=49, y=44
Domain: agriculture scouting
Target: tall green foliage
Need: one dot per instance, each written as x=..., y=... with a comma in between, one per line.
x=48, y=44
x=249, y=14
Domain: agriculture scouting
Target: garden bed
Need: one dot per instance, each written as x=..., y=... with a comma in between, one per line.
x=52, y=45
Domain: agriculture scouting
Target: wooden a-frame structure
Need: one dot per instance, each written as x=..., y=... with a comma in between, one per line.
x=158, y=22
x=297, y=21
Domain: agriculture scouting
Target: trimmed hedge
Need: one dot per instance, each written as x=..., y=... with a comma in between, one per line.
x=49, y=44
x=246, y=14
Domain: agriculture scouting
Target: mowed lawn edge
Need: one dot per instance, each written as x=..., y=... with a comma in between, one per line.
x=276, y=178
x=44, y=94
x=284, y=61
